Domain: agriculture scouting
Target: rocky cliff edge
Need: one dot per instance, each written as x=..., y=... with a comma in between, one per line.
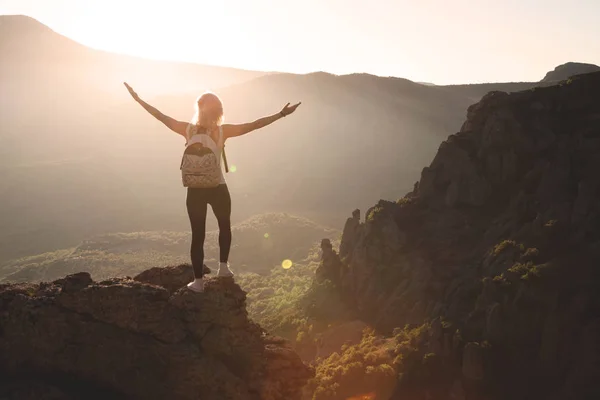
x=140, y=338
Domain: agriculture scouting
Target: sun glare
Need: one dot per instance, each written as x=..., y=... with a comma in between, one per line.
x=144, y=29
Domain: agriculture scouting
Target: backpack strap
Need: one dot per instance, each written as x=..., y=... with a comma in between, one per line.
x=188, y=132
x=221, y=139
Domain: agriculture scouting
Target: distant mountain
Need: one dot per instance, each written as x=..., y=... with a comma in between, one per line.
x=80, y=158
x=565, y=71
x=31, y=50
x=476, y=91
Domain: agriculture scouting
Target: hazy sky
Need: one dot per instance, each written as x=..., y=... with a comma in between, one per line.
x=439, y=41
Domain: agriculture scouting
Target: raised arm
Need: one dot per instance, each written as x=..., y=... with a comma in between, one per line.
x=232, y=130
x=171, y=123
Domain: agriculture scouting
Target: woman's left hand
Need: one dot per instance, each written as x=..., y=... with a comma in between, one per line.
x=131, y=92
x=287, y=109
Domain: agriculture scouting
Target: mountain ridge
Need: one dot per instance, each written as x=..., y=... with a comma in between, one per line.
x=374, y=133
x=29, y=25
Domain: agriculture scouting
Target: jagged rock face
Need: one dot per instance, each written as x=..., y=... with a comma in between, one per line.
x=135, y=340
x=501, y=236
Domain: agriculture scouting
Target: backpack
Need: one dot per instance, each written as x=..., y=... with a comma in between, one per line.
x=200, y=167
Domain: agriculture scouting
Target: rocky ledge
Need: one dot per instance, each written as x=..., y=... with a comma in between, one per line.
x=139, y=338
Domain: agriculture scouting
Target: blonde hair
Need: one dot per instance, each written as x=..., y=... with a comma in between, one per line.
x=214, y=115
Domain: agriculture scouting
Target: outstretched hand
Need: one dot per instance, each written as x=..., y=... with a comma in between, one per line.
x=131, y=92
x=287, y=109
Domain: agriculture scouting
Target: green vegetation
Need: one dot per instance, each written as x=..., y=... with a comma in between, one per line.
x=527, y=272
x=289, y=303
x=531, y=253
x=374, y=212
x=105, y=256
x=260, y=243
x=359, y=370
x=405, y=201
x=376, y=366
x=323, y=303
x=505, y=245
x=526, y=269
x=273, y=300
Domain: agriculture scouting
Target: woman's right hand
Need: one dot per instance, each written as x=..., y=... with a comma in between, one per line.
x=131, y=92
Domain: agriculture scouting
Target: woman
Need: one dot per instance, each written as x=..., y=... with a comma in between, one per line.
x=208, y=120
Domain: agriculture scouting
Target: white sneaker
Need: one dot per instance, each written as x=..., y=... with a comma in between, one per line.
x=197, y=285
x=224, y=270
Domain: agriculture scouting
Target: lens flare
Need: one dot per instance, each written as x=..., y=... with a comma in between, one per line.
x=286, y=264
x=266, y=235
x=233, y=168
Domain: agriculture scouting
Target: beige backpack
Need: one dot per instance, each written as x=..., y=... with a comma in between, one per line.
x=200, y=166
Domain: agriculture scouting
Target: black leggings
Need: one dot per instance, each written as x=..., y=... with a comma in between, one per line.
x=220, y=202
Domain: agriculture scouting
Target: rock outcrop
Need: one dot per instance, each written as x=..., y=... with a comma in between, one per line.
x=126, y=338
x=500, y=239
x=331, y=266
x=567, y=70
